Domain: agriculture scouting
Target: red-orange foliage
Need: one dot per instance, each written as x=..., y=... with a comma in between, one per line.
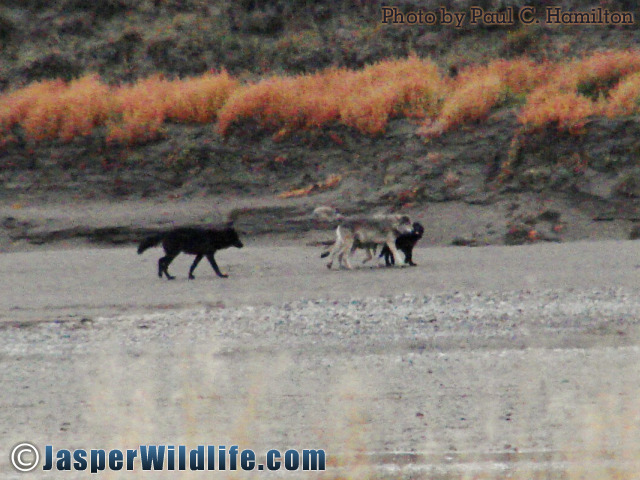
x=141, y=109
x=624, y=99
x=363, y=99
x=330, y=182
x=578, y=89
x=549, y=106
x=522, y=75
x=198, y=100
x=472, y=99
x=133, y=113
x=53, y=109
x=599, y=68
x=563, y=94
x=281, y=102
x=16, y=105
x=479, y=89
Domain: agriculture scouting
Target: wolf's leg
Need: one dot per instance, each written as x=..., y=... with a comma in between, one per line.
x=369, y=255
x=332, y=254
x=163, y=266
x=213, y=263
x=335, y=248
x=194, y=265
x=346, y=252
x=408, y=256
x=386, y=253
x=357, y=245
x=388, y=258
x=342, y=260
x=396, y=255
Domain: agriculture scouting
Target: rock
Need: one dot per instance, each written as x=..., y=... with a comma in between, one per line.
x=550, y=215
x=597, y=184
x=628, y=185
x=634, y=234
x=465, y=242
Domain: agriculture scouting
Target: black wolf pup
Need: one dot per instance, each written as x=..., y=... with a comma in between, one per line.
x=404, y=242
x=200, y=242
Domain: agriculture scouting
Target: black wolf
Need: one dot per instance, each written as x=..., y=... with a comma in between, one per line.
x=192, y=240
x=404, y=242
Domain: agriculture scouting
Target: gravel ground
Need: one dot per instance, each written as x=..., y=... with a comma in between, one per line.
x=426, y=381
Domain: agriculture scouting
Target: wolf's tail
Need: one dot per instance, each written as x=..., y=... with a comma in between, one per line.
x=149, y=242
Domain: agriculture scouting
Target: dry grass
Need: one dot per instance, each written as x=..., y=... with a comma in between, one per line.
x=624, y=99
x=364, y=99
x=473, y=97
x=563, y=95
x=143, y=108
x=198, y=100
x=132, y=113
x=140, y=111
x=330, y=182
x=547, y=106
x=522, y=75
x=53, y=109
x=16, y=107
x=579, y=89
x=595, y=74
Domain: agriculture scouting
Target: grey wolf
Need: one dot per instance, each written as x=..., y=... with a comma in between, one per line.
x=362, y=231
x=196, y=241
x=405, y=243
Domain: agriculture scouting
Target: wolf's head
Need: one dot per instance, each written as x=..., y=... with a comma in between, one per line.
x=234, y=239
x=403, y=225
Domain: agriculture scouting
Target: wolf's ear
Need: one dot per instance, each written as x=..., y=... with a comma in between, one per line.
x=229, y=224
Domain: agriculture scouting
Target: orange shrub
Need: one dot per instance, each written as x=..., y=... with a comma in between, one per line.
x=42, y=120
x=362, y=99
x=568, y=111
x=417, y=85
x=475, y=93
x=625, y=98
x=577, y=90
x=199, y=99
x=598, y=71
x=563, y=93
x=290, y=102
x=330, y=182
x=83, y=105
x=15, y=106
x=473, y=100
x=369, y=111
x=140, y=110
x=522, y=75
x=53, y=109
